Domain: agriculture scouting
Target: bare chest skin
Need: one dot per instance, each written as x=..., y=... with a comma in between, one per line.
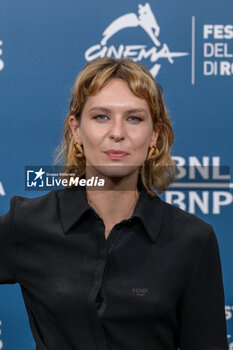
x=107, y=231
x=109, y=227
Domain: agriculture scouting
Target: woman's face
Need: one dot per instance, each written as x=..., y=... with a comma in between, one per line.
x=115, y=119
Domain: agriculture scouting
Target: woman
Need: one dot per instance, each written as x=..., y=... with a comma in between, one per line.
x=116, y=268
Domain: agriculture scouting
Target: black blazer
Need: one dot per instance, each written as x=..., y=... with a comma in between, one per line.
x=154, y=284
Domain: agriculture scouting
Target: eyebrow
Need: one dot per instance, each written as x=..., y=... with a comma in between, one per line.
x=132, y=110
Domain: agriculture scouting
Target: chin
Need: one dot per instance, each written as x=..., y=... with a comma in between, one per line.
x=115, y=171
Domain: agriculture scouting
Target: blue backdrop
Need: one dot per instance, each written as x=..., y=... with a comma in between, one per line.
x=187, y=45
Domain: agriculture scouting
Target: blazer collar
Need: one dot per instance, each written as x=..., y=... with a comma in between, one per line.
x=73, y=204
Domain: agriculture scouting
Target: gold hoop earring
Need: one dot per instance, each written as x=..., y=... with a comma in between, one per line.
x=153, y=152
x=79, y=150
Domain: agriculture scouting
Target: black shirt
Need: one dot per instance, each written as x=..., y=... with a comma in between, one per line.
x=155, y=283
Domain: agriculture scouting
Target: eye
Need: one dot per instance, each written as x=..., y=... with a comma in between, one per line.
x=135, y=118
x=100, y=117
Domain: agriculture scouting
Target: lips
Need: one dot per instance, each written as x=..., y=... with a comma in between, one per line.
x=111, y=151
x=116, y=154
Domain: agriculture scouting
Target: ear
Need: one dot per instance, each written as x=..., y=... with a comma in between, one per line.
x=155, y=134
x=75, y=128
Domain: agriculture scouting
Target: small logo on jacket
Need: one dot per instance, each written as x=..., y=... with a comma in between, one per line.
x=139, y=291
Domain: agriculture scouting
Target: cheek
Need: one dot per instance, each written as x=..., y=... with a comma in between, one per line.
x=141, y=139
x=90, y=137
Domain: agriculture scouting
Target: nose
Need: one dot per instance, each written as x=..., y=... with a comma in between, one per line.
x=117, y=130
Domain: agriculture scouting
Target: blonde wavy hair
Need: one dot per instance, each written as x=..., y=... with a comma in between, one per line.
x=157, y=171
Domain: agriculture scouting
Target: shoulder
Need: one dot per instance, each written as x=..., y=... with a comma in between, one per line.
x=26, y=205
x=184, y=225
x=27, y=211
x=41, y=208
x=179, y=216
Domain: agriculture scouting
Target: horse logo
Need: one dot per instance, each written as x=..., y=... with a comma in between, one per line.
x=145, y=19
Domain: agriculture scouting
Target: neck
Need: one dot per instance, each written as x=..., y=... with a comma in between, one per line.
x=117, y=200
